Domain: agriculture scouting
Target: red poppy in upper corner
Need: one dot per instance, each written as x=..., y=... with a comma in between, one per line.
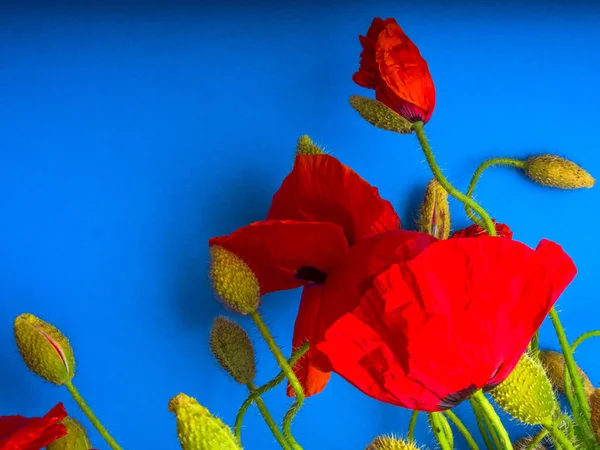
x=392, y=65
x=23, y=433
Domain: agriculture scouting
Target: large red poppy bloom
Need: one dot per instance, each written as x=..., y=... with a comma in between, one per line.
x=23, y=433
x=407, y=319
x=392, y=65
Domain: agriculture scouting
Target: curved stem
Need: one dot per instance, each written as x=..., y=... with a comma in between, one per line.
x=583, y=337
x=537, y=439
x=290, y=375
x=481, y=424
x=439, y=176
x=485, y=165
x=91, y=416
x=256, y=393
x=488, y=411
x=260, y=404
x=462, y=429
x=411, y=426
x=438, y=430
x=559, y=436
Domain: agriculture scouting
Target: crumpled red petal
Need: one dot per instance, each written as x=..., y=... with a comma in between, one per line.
x=368, y=73
x=276, y=249
x=22, y=433
x=455, y=318
x=321, y=189
x=502, y=230
x=311, y=378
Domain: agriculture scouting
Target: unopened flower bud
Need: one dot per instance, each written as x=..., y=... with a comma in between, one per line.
x=198, y=429
x=527, y=394
x=554, y=363
x=390, y=443
x=595, y=411
x=554, y=171
x=524, y=443
x=75, y=439
x=434, y=218
x=45, y=350
x=233, y=281
x=232, y=348
x=306, y=146
x=379, y=115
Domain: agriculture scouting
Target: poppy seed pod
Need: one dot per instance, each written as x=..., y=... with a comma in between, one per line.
x=554, y=171
x=233, y=281
x=390, y=443
x=45, y=350
x=434, y=218
x=306, y=146
x=554, y=363
x=232, y=348
x=75, y=439
x=595, y=406
x=524, y=443
x=198, y=429
x=527, y=393
x=379, y=115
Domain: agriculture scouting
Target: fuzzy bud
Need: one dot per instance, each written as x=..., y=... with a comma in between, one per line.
x=379, y=115
x=527, y=394
x=595, y=411
x=524, y=443
x=305, y=146
x=75, y=439
x=434, y=218
x=198, y=429
x=232, y=348
x=390, y=443
x=554, y=363
x=554, y=171
x=45, y=350
x=233, y=281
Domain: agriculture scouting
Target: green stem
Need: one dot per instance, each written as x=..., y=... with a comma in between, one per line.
x=411, y=426
x=583, y=337
x=559, y=436
x=256, y=393
x=260, y=404
x=290, y=375
x=439, y=176
x=570, y=363
x=462, y=429
x=485, y=165
x=534, y=348
x=488, y=411
x=91, y=416
x=438, y=430
x=537, y=439
x=481, y=424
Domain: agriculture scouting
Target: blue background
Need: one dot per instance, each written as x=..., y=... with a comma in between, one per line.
x=131, y=133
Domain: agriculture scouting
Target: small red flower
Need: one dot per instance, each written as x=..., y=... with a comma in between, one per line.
x=22, y=433
x=392, y=65
x=475, y=230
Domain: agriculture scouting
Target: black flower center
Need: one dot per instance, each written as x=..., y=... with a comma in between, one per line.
x=307, y=273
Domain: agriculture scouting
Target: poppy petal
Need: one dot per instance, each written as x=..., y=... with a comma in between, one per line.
x=321, y=189
x=276, y=250
x=502, y=230
x=311, y=378
x=368, y=73
x=22, y=433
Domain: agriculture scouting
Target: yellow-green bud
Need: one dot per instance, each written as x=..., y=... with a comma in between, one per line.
x=45, y=350
x=554, y=363
x=527, y=393
x=434, y=218
x=232, y=348
x=390, y=443
x=306, y=146
x=233, y=281
x=523, y=444
x=198, y=429
x=554, y=171
x=75, y=439
x=379, y=115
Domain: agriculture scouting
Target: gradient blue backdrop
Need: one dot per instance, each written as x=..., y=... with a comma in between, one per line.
x=131, y=133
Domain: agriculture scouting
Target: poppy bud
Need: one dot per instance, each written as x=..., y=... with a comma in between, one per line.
x=305, y=146
x=379, y=115
x=527, y=393
x=523, y=444
x=554, y=171
x=554, y=363
x=434, y=217
x=233, y=281
x=75, y=439
x=389, y=443
x=45, y=350
x=198, y=429
x=232, y=348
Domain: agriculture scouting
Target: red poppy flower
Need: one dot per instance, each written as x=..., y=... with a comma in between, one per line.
x=475, y=230
x=392, y=65
x=22, y=433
